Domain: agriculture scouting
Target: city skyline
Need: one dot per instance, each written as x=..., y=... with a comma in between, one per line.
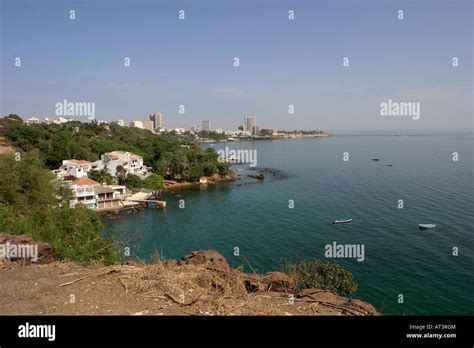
x=283, y=64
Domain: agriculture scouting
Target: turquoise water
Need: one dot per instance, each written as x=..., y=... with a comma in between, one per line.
x=399, y=258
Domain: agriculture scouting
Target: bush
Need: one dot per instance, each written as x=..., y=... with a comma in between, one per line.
x=320, y=275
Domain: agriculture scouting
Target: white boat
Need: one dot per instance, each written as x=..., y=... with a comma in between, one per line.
x=230, y=139
x=343, y=221
x=426, y=226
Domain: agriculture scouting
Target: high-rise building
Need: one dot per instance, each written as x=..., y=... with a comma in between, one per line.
x=157, y=118
x=206, y=125
x=250, y=122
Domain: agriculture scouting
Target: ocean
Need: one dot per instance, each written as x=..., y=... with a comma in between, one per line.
x=431, y=269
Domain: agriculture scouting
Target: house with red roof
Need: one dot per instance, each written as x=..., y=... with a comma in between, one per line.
x=133, y=164
x=73, y=168
x=83, y=192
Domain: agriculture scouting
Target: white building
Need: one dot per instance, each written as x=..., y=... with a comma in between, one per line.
x=132, y=163
x=121, y=123
x=73, y=168
x=243, y=133
x=178, y=130
x=83, y=192
x=250, y=122
x=61, y=120
x=32, y=120
x=137, y=124
x=93, y=195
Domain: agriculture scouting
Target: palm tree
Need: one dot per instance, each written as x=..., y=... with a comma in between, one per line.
x=121, y=174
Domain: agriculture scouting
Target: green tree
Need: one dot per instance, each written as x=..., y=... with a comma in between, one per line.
x=25, y=184
x=169, y=155
x=14, y=117
x=133, y=181
x=101, y=175
x=154, y=182
x=121, y=174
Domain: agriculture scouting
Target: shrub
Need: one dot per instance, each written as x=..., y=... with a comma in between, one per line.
x=320, y=275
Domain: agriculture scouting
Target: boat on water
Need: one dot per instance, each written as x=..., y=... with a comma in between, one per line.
x=342, y=221
x=426, y=226
x=230, y=139
x=389, y=165
x=375, y=159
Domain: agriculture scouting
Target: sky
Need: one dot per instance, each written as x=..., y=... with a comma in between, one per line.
x=283, y=62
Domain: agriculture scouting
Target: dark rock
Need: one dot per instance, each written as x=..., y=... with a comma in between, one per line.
x=253, y=283
x=258, y=177
x=210, y=258
x=278, y=281
x=23, y=247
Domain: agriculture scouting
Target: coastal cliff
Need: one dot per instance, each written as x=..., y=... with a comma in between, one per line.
x=201, y=283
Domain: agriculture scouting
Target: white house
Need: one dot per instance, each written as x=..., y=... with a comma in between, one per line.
x=73, y=167
x=93, y=195
x=83, y=192
x=133, y=164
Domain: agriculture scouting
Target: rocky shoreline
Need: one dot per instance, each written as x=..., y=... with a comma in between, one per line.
x=210, y=180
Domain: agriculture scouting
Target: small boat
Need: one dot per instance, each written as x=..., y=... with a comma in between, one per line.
x=426, y=226
x=230, y=139
x=389, y=165
x=343, y=221
x=375, y=159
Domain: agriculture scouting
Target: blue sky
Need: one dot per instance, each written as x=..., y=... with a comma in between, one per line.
x=282, y=62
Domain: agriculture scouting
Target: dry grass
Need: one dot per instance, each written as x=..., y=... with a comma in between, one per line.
x=195, y=288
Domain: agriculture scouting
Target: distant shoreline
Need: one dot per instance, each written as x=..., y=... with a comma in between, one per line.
x=285, y=136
